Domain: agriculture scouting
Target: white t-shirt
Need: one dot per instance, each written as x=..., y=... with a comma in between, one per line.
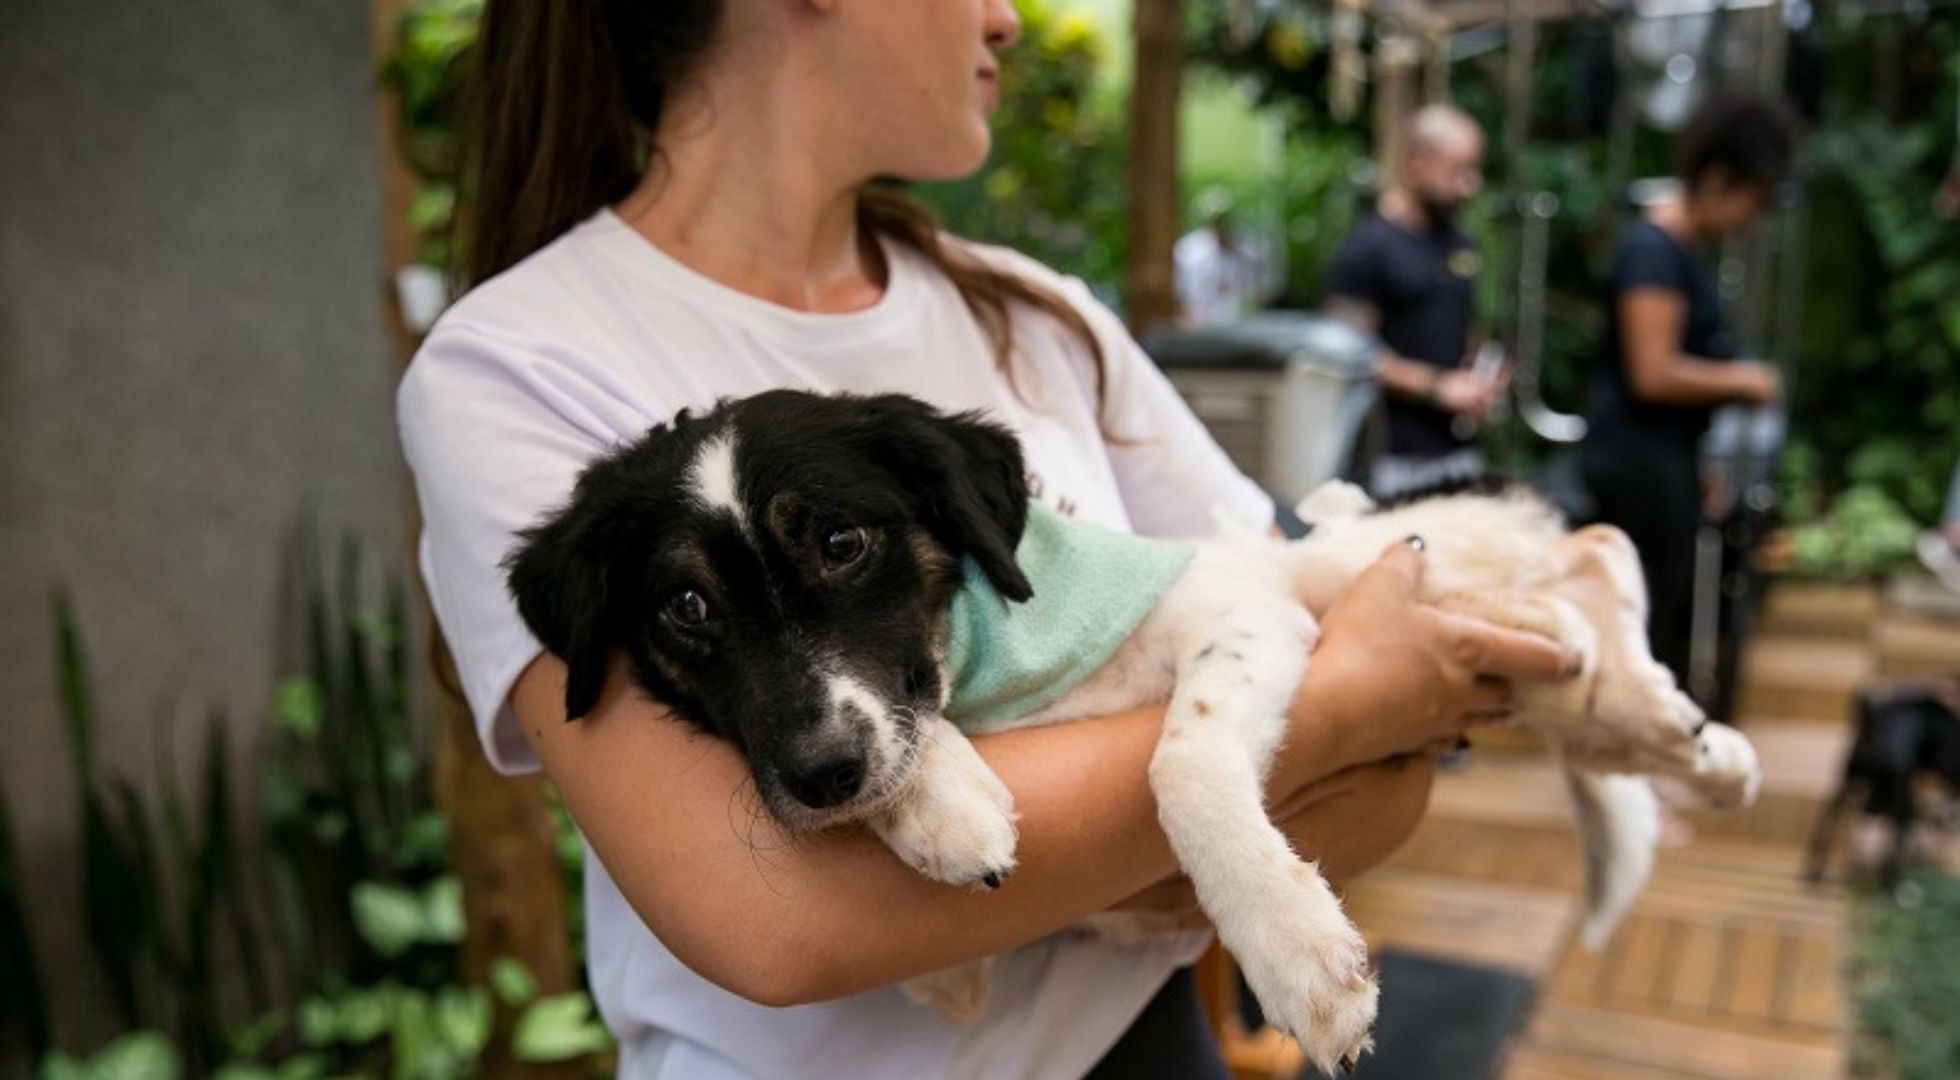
x=586, y=344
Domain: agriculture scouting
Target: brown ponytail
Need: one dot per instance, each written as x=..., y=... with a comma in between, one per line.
x=563, y=99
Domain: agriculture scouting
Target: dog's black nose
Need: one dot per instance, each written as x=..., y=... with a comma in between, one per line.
x=825, y=781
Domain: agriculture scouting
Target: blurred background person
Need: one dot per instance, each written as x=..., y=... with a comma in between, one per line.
x=1667, y=356
x=1939, y=549
x=1407, y=273
x=1221, y=271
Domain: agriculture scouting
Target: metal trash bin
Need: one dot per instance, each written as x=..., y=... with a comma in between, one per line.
x=1284, y=392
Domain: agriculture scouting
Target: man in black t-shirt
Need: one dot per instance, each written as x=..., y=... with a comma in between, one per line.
x=1408, y=273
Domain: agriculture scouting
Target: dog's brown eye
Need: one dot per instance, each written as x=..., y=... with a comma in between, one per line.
x=687, y=608
x=842, y=547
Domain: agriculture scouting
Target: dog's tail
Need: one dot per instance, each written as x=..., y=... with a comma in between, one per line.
x=1619, y=824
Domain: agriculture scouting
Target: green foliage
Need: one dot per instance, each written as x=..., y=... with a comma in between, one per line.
x=139, y=1055
x=1877, y=399
x=1283, y=55
x=1908, y=989
x=1864, y=535
x=1319, y=199
x=370, y=914
x=1054, y=185
x=559, y=1028
x=425, y=71
x=20, y=998
x=155, y=881
x=1883, y=405
x=393, y=919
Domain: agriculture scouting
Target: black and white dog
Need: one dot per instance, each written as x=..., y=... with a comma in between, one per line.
x=1905, y=731
x=779, y=571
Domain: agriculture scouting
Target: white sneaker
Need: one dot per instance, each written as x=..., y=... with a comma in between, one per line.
x=1936, y=553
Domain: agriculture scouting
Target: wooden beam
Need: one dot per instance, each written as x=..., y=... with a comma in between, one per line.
x=1152, y=200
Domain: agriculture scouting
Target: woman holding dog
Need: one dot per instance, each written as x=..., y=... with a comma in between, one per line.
x=1668, y=357
x=670, y=203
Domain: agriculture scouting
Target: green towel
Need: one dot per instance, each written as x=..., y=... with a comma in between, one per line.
x=1092, y=586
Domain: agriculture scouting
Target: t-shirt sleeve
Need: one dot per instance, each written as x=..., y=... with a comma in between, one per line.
x=1173, y=476
x=495, y=431
x=1355, y=271
x=1647, y=260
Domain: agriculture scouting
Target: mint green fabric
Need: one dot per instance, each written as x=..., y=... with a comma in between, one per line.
x=1092, y=586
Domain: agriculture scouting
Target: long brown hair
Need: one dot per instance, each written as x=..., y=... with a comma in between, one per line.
x=564, y=98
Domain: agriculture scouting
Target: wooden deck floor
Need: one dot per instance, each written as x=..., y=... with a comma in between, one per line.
x=1730, y=968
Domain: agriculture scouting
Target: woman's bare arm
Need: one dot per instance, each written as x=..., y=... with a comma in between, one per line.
x=784, y=920
x=1660, y=373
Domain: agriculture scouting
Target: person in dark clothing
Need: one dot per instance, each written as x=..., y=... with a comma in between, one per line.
x=1407, y=273
x=1667, y=358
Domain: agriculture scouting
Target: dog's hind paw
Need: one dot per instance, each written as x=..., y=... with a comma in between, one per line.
x=1726, y=770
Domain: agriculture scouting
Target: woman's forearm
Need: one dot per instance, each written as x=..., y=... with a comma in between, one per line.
x=1651, y=327
x=1693, y=381
x=782, y=918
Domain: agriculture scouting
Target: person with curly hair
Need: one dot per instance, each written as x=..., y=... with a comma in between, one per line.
x=1668, y=357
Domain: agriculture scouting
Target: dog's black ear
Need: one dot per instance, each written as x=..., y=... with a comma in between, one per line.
x=560, y=575
x=971, y=478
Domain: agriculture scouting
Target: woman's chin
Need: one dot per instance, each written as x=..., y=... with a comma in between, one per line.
x=949, y=161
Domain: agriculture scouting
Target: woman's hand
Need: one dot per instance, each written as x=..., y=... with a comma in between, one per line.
x=1393, y=676
x=1762, y=383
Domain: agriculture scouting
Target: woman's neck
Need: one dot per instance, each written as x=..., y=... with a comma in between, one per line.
x=743, y=191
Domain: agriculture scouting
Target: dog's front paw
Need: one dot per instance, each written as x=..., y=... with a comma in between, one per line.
x=959, y=994
x=1314, y=984
x=955, y=827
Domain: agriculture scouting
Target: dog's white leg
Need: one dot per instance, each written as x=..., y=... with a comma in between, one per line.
x=1239, y=658
x=955, y=820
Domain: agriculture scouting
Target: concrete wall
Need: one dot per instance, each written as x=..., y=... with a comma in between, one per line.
x=191, y=349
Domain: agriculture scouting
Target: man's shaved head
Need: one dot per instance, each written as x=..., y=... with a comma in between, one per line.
x=1441, y=128
x=1444, y=164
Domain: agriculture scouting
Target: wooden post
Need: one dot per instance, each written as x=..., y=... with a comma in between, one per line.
x=501, y=839
x=1149, y=293
x=1397, y=56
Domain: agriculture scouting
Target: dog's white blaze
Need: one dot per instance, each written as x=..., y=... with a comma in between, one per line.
x=845, y=693
x=712, y=478
x=843, y=690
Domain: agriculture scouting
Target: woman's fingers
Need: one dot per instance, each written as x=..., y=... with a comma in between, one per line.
x=1489, y=649
x=1395, y=577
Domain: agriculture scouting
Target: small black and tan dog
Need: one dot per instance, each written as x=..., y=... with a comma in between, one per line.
x=792, y=572
x=1907, y=732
